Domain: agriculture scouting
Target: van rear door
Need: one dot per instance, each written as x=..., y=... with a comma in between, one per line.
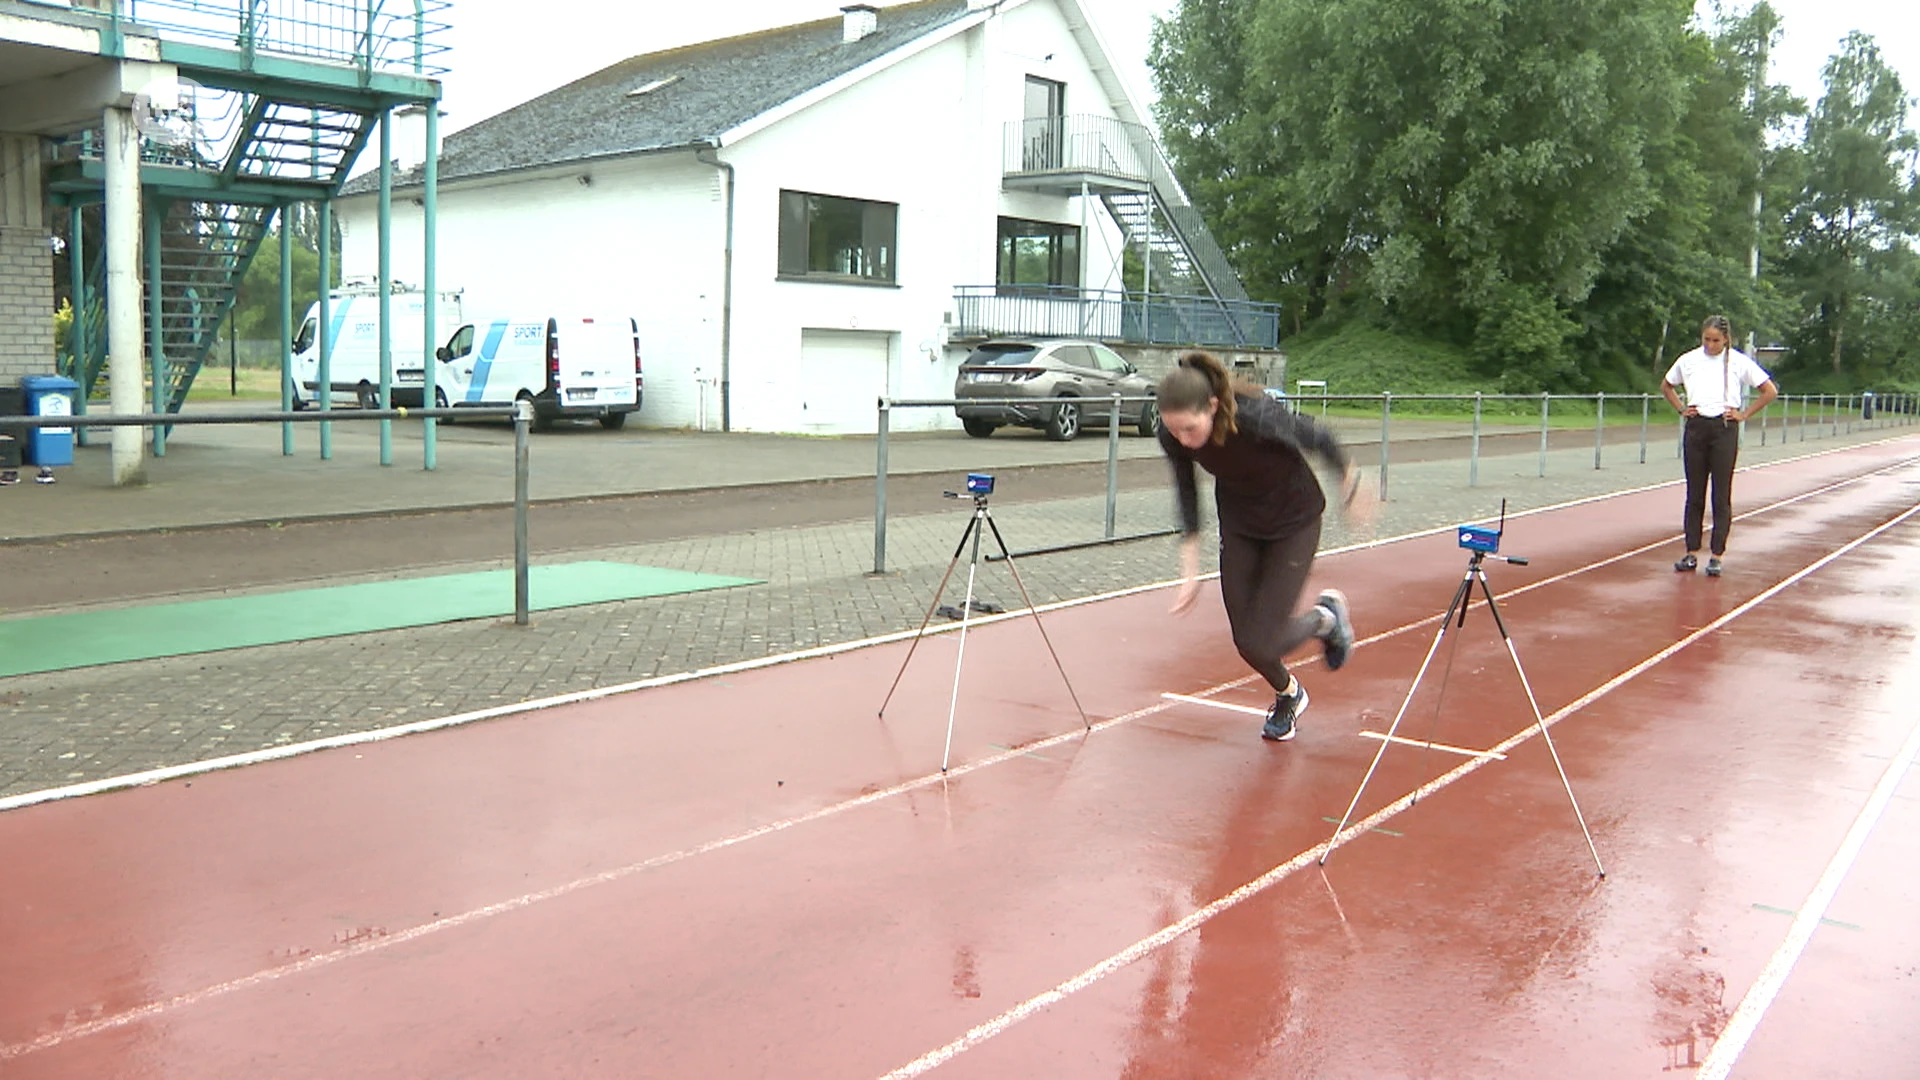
x=596, y=366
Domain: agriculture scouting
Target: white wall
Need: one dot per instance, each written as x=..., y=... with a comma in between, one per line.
x=925, y=134
x=648, y=235
x=644, y=237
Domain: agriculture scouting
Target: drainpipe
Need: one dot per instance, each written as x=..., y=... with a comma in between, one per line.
x=708, y=155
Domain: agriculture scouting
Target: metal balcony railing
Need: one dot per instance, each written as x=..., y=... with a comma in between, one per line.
x=399, y=36
x=1114, y=315
x=1125, y=166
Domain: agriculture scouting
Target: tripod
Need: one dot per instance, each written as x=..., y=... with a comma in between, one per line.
x=1478, y=540
x=973, y=531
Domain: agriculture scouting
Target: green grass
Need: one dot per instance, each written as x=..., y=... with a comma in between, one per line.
x=1360, y=359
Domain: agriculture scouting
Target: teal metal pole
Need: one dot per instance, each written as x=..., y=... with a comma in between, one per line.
x=324, y=332
x=430, y=182
x=386, y=282
x=156, y=353
x=285, y=210
x=77, y=331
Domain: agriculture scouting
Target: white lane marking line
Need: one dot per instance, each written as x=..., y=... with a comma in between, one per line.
x=1401, y=740
x=1746, y=1018
x=275, y=753
x=983, y=1032
x=56, y=1038
x=1212, y=704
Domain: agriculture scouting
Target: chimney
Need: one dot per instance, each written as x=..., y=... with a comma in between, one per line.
x=861, y=21
x=410, y=135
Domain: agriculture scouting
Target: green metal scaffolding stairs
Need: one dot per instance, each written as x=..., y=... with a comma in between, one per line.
x=209, y=234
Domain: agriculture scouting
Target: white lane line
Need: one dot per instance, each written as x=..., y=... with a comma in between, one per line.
x=1746, y=1018
x=981, y=1033
x=1212, y=704
x=1402, y=740
x=55, y=1038
x=275, y=753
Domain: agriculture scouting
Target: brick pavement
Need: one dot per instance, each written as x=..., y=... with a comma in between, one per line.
x=64, y=727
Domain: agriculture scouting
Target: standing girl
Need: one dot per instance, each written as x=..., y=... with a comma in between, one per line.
x=1716, y=377
x=1269, y=504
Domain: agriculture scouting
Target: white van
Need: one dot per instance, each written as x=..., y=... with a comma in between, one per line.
x=354, y=369
x=568, y=366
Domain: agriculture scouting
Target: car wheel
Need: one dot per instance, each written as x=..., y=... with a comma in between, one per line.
x=979, y=429
x=1149, y=420
x=540, y=422
x=613, y=421
x=440, y=402
x=366, y=396
x=1065, y=423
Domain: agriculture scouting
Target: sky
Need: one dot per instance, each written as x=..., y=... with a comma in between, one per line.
x=502, y=56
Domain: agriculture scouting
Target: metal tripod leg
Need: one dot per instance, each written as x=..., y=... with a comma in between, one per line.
x=973, y=526
x=1007, y=557
x=1541, y=722
x=1458, y=605
x=966, y=615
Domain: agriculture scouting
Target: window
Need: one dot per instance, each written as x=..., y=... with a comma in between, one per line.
x=1109, y=361
x=834, y=239
x=1038, y=256
x=461, y=343
x=1046, y=112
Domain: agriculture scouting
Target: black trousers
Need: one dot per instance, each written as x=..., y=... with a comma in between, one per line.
x=1709, y=447
x=1261, y=582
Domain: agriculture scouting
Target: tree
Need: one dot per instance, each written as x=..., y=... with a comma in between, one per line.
x=1857, y=207
x=1461, y=163
x=1688, y=256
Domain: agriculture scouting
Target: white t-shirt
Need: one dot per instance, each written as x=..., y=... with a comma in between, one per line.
x=1716, y=384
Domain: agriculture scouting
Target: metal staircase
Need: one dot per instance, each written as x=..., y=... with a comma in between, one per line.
x=205, y=249
x=1190, y=292
x=276, y=102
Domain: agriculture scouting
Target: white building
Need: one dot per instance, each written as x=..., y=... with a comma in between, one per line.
x=806, y=219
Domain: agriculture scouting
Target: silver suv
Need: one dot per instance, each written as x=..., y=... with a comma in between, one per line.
x=1050, y=369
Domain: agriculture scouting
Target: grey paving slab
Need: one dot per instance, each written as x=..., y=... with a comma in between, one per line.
x=85, y=724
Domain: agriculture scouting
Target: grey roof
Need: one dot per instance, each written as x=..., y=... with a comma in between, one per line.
x=706, y=90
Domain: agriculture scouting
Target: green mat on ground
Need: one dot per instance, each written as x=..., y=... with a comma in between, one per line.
x=57, y=642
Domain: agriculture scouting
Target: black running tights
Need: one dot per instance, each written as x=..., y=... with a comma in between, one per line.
x=1261, y=582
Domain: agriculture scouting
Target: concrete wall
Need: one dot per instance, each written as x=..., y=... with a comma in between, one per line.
x=1267, y=367
x=26, y=264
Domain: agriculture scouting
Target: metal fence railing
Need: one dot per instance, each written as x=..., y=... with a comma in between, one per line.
x=1468, y=418
x=1114, y=315
x=520, y=413
x=378, y=35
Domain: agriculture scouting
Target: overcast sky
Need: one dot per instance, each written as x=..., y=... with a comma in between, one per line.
x=503, y=55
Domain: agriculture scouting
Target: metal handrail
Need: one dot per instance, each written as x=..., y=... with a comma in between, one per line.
x=521, y=413
x=1888, y=409
x=372, y=35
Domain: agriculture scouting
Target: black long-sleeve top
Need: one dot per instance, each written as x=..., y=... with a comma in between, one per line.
x=1263, y=485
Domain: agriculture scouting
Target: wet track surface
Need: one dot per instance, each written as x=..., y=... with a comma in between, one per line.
x=752, y=875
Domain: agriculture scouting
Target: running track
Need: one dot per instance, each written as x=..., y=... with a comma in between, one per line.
x=749, y=875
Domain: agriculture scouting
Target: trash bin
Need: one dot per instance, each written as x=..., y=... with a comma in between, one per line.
x=49, y=395
x=1866, y=405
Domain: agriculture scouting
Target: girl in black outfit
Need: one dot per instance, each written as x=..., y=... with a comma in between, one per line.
x=1269, y=505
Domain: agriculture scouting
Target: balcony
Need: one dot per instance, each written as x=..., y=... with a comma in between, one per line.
x=1135, y=318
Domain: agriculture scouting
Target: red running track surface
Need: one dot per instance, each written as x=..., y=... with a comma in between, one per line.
x=751, y=875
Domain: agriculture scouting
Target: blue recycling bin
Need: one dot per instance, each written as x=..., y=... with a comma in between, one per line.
x=49, y=395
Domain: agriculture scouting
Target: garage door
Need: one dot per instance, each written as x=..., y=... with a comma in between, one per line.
x=842, y=372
